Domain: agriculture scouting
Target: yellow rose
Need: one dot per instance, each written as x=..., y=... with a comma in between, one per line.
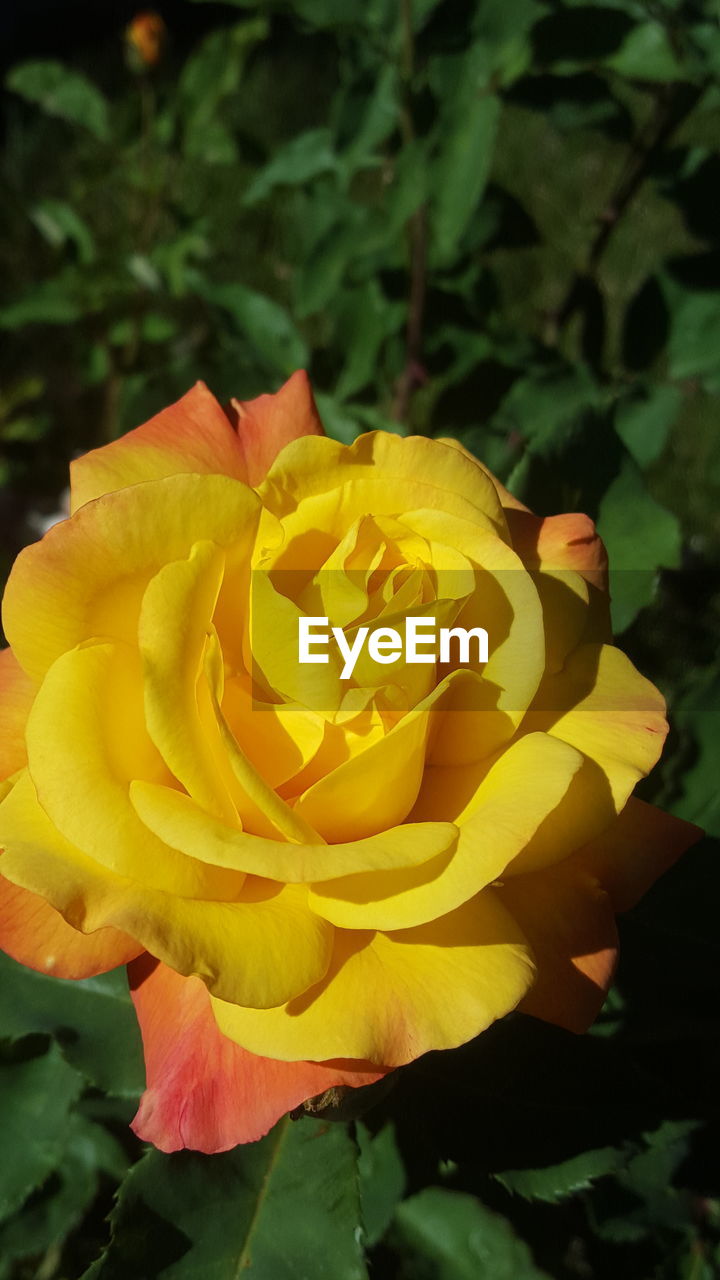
x=315, y=876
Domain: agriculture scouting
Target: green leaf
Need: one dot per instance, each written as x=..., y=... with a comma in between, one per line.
x=323, y=270
x=59, y=224
x=503, y=37
x=656, y=1204
x=93, y=1020
x=461, y=170
x=215, y=68
x=641, y=537
x=463, y=1239
x=284, y=1208
x=647, y=54
x=558, y=1181
x=365, y=318
x=53, y=1211
x=544, y=407
x=54, y=301
x=644, y=419
x=379, y=120
x=408, y=189
x=61, y=92
x=266, y=325
x=694, y=343
x=297, y=162
x=336, y=419
x=382, y=1179
x=36, y=1095
x=699, y=713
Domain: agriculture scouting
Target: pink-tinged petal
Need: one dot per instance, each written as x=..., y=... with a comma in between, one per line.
x=559, y=542
x=569, y=921
x=193, y=435
x=635, y=851
x=17, y=692
x=265, y=425
x=204, y=1091
x=34, y=934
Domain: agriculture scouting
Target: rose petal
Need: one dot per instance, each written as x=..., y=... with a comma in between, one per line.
x=569, y=922
x=321, y=485
x=203, y=1090
x=641, y=846
x=86, y=737
x=16, y=698
x=87, y=576
x=176, y=820
x=267, y=423
x=506, y=803
x=33, y=933
x=560, y=542
x=192, y=435
x=261, y=949
x=390, y=997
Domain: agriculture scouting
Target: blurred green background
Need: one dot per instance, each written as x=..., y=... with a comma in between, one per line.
x=498, y=221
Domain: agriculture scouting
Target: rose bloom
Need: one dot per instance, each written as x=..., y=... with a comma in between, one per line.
x=314, y=880
x=146, y=36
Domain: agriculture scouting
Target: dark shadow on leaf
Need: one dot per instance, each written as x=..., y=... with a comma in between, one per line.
x=516, y=229
x=476, y=398
x=587, y=33
x=697, y=270
x=697, y=198
x=645, y=326
x=145, y=1247
x=571, y=102
x=524, y=1094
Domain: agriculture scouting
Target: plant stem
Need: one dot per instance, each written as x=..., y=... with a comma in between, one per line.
x=412, y=374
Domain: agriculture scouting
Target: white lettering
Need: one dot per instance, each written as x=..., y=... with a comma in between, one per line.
x=350, y=653
x=305, y=639
x=413, y=638
x=464, y=637
x=385, y=645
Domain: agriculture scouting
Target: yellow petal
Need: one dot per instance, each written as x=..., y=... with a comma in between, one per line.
x=601, y=704
x=505, y=602
x=389, y=998
x=175, y=617
x=261, y=949
x=86, y=577
x=176, y=820
x=279, y=739
x=16, y=698
x=86, y=740
x=385, y=779
x=382, y=474
x=504, y=813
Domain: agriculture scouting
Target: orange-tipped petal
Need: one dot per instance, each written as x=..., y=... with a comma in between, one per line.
x=192, y=435
x=569, y=922
x=33, y=933
x=559, y=542
x=203, y=1090
x=635, y=851
x=17, y=692
x=265, y=425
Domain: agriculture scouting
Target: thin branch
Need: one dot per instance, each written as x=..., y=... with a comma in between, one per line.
x=665, y=119
x=412, y=374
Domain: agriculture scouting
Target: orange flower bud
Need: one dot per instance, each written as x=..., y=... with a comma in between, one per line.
x=146, y=37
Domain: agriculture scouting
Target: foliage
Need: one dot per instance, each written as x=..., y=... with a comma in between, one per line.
x=492, y=221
